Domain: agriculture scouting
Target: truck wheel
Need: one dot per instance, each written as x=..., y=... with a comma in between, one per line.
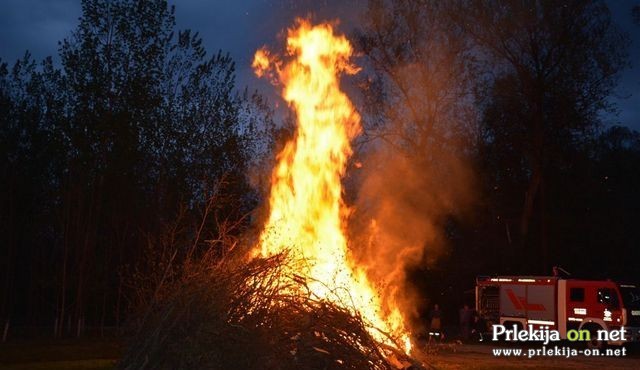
x=509, y=324
x=594, y=343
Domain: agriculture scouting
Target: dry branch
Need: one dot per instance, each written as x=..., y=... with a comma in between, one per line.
x=235, y=314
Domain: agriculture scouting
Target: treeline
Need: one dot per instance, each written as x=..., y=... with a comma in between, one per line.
x=135, y=150
x=136, y=128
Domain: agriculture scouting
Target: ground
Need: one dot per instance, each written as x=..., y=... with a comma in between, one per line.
x=481, y=357
x=62, y=354
x=103, y=354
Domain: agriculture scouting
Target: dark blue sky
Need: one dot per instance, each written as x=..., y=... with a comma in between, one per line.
x=242, y=26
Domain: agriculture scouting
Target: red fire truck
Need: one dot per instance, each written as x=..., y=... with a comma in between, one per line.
x=560, y=304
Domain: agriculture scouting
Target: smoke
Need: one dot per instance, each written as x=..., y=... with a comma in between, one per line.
x=400, y=212
x=414, y=178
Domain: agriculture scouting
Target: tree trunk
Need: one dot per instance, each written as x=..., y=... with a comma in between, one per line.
x=118, y=303
x=5, y=332
x=544, y=242
x=102, y=316
x=5, y=309
x=537, y=161
x=65, y=243
x=529, y=202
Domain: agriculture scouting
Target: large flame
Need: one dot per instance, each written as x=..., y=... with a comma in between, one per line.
x=307, y=213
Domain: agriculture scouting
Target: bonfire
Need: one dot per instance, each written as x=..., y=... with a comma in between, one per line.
x=300, y=300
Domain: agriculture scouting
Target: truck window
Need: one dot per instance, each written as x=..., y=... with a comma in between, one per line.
x=631, y=297
x=576, y=294
x=608, y=297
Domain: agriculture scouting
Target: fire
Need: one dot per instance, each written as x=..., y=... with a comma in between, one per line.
x=307, y=213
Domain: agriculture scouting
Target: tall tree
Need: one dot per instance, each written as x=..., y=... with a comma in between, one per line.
x=417, y=81
x=559, y=63
x=418, y=77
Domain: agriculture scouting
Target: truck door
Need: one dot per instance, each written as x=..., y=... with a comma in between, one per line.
x=608, y=304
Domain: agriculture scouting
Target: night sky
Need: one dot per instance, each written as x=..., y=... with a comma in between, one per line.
x=241, y=26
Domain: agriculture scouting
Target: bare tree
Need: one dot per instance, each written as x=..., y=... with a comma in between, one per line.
x=418, y=76
x=558, y=63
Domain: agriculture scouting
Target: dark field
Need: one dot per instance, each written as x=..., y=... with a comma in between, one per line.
x=104, y=354
x=66, y=354
x=481, y=357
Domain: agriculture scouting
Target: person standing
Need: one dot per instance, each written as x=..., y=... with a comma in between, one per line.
x=435, y=323
x=478, y=328
x=465, y=316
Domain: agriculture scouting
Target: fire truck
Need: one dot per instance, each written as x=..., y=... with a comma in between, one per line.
x=560, y=304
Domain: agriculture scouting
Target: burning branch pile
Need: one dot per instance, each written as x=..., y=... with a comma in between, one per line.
x=233, y=315
x=301, y=301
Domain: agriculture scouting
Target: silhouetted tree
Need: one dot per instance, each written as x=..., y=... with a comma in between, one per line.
x=559, y=63
x=30, y=100
x=134, y=130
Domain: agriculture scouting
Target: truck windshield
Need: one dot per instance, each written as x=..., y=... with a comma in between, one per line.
x=630, y=296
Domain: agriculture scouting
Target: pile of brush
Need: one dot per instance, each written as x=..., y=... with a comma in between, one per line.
x=234, y=314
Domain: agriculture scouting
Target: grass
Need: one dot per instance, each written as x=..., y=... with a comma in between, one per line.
x=63, y=365
x=62, y=354
x=103, y=355
x=479, y=357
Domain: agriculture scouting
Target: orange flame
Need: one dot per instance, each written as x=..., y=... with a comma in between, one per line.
x=307, y=213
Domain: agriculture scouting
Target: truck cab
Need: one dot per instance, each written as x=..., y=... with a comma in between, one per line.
x=560, y=304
